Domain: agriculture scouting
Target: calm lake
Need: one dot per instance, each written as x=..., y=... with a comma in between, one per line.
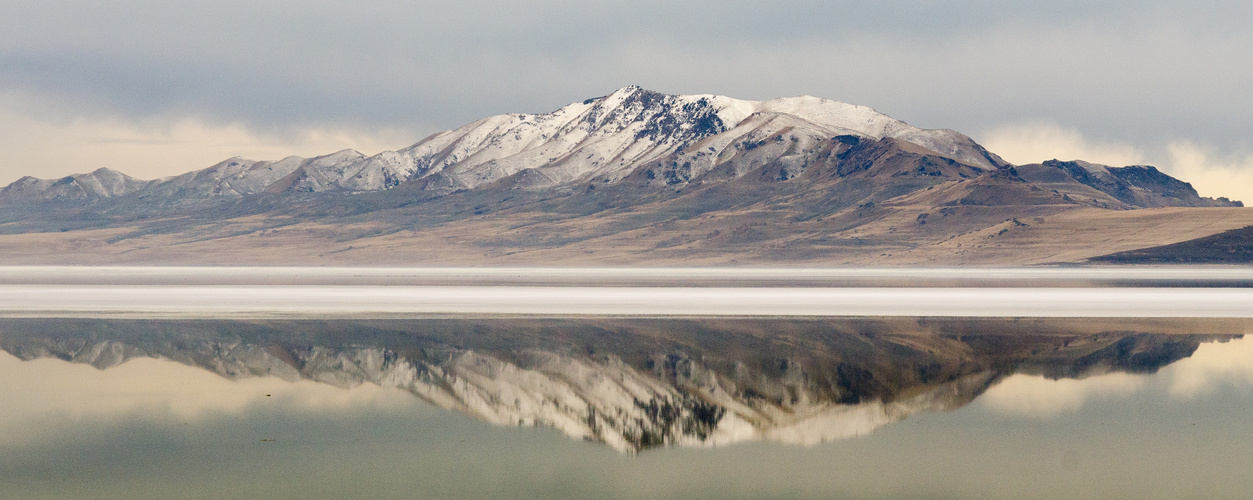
x=155, y=383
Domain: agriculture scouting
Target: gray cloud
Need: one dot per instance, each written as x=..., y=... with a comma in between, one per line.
x=1138, y=72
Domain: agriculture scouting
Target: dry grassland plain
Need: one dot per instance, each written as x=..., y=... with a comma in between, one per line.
x=955, y=236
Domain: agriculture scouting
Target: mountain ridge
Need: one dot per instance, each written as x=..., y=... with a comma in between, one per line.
x=567, y=146
x=632, y=177
x=602, y=137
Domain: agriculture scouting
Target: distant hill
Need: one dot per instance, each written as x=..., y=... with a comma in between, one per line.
x=1228, y=247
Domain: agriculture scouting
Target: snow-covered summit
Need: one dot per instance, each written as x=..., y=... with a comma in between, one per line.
x=100, y=183
x=609, y=137
x=605, y=139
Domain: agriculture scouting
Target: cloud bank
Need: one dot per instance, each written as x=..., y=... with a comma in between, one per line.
x=1136, y=73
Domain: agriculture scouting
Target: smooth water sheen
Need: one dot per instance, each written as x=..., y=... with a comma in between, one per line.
x=614, y=383
x=913, y=408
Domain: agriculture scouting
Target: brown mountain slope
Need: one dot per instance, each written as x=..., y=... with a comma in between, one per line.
x=878, y=235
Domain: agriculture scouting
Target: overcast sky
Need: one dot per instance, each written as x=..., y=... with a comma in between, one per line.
x=153, y=87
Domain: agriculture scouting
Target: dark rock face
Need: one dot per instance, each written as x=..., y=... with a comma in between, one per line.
x=682, y=123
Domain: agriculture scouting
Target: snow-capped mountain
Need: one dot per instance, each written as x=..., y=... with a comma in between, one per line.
x=102, y=183
x=632, y=177
x=604, y=139
x=609, y=137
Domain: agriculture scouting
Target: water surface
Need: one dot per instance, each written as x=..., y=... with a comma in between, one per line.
x=149, y=382
x=626, y=408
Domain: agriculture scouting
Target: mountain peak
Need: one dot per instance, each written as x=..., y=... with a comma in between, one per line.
x=100, y=183
x=630, y=89
x=630, y=132
x=607, y=138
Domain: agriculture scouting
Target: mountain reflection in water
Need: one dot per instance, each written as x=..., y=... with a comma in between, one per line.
x=635, y=384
